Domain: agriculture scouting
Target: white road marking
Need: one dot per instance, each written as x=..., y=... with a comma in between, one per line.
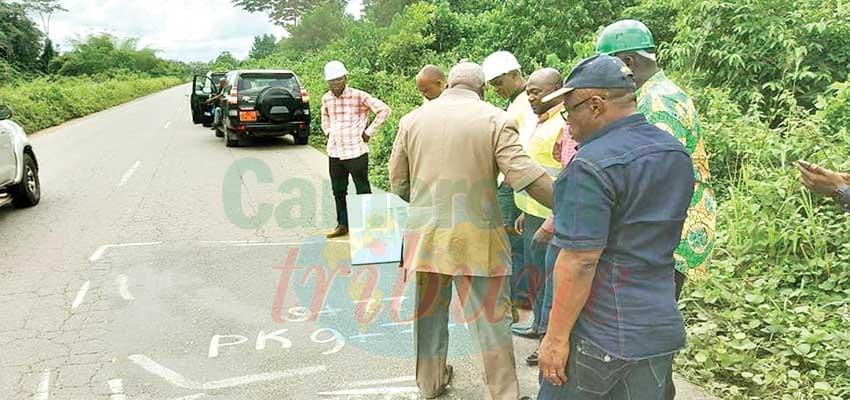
x=400, y=298
x=129, y=173
x=43, y=386
x=116, y=386
x=191, y=397
x=167, y=124
x=102, y=249
x=81, y=294
x=383, y=381
x=383, y=390
x=178, y=380
x=390, y=324
x=123, y=288
x=363, y=337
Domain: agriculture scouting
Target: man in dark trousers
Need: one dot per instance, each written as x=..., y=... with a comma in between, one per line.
x=345, y=120
x=619, y=210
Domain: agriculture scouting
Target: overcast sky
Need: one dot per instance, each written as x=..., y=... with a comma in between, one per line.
x=186, y=30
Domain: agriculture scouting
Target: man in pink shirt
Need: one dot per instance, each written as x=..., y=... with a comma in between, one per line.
x=345, y=121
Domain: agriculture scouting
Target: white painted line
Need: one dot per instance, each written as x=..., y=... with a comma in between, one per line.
x=81, y=294
x=191, y=397
x=129, y=173
x=43, y=386
x=178, y=380
x=167, y=124
x=383, y=381
x=123, y=288
x=116, y=386
x=365, y=336
x=102, y=249
x=403, y=323
x=400, y=298
x=361, y=392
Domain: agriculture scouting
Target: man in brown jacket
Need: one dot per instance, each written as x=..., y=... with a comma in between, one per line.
x=445, y=160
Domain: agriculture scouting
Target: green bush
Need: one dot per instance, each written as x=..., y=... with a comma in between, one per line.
x=46, y=102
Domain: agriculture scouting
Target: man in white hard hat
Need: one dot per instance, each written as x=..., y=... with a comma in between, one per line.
x=503, y=72
x=345, y=121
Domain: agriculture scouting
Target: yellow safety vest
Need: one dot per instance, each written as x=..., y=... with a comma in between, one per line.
x=540, y=146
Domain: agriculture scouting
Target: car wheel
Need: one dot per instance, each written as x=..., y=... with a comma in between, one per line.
x=218, y=132
x=302, y=140
x=228, y=140
x=27, y=193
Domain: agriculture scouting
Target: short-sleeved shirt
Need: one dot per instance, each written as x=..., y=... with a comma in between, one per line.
x=666, y=106
x=627, y=192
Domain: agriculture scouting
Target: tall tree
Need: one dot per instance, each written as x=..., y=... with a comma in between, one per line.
x=263, y=47
x=383, y=11
x=45, y=10
x=49, y=53
x=20, y=40
x=320, y=26
x=283, y=12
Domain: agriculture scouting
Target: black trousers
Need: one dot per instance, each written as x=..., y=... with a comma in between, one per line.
x=339, y=170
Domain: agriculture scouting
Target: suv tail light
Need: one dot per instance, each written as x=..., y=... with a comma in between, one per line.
x=305, y=96
x=233, y=98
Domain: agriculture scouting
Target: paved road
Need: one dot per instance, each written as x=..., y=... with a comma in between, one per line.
x=162, y=265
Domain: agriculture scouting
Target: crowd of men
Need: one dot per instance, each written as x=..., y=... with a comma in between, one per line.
x=587, y=200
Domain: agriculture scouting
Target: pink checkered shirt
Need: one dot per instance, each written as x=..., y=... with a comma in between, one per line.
x=345, y=119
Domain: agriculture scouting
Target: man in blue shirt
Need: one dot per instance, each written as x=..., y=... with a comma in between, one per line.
x=619, y=210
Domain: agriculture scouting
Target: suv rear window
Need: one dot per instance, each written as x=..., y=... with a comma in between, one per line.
x=257, y=82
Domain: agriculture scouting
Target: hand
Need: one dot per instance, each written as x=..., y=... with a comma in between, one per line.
x=554, y=354
x=519, y=223
x=541, y=238
x=820, y=180
x=365, y=137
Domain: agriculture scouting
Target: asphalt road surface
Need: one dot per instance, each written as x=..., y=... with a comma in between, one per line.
x=162, y=265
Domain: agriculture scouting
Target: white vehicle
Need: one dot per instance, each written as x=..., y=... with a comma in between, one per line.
x=19, y=182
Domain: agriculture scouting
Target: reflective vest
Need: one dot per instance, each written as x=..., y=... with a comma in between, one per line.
x=540, y=147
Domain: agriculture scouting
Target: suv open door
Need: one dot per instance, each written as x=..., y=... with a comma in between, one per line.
x=202, y=90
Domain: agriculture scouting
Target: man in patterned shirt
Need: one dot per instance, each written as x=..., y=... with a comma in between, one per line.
x=345, y=121
x=666, y=106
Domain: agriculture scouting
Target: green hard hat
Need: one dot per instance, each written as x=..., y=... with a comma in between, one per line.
x=625, y=35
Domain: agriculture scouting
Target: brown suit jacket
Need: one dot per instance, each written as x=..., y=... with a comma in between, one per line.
x=445, y=160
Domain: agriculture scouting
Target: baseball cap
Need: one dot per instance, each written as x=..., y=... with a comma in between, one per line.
x=598, y=72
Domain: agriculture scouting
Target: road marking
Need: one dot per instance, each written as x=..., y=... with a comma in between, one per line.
x=384, y=390
x=391, y=324
x=191, y=397
x=81, y=294
x=116, y=386
x=167, y=124
x=178, y=380
x=363, y=337
x=43, y=386
x=102, y=249
x=129, y=173
x=123, y=289
x=383, y=381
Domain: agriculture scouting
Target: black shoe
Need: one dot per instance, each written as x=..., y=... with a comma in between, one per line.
x=533, y=358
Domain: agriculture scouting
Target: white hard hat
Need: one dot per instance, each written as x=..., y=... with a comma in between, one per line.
x=498, y=64
x=334, y=70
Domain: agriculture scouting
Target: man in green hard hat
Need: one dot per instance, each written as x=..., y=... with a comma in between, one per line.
x=666, y=106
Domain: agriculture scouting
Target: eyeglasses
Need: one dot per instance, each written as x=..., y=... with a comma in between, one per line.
x=565, y=113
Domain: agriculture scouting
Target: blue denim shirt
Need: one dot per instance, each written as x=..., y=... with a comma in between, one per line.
x=627, y=191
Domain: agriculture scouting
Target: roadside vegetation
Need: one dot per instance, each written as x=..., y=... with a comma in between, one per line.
x=45, y=89
x=770, y=79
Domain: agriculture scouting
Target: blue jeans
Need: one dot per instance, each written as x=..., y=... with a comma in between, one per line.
x=535, y=268
x=519, y=279
x=549, y=286
x=593, y=374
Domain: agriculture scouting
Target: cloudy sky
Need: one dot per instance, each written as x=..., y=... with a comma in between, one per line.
x=186, y=30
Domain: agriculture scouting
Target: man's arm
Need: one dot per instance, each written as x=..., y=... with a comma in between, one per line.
x=521, y=173
x=382, y=112
x=399, y=166
x=326, y=119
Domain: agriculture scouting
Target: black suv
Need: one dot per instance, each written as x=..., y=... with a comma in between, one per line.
x=264, y=103
x=205, y=87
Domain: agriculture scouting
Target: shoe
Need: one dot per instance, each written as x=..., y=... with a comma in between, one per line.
x=526, y=331
x=450, y=373
x=533, y=358
x=341, y=230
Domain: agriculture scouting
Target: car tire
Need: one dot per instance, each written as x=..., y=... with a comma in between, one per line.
x=27, y=193
x=302, y=140
x=228, y=141
x=218, y=132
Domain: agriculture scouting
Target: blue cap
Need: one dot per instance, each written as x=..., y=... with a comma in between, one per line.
x=598, y=72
